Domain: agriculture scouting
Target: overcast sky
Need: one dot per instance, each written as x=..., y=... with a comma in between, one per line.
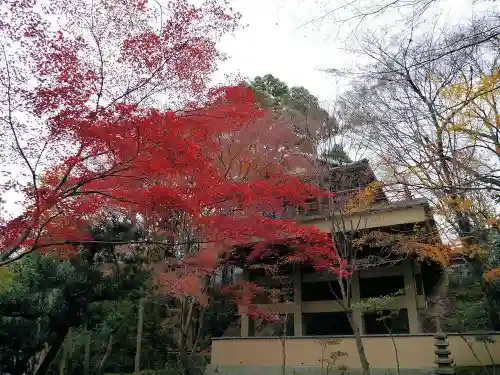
x=276, y=41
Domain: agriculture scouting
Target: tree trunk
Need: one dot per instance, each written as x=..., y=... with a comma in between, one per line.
x=138, y=339
x=34, y=361
x=183, y=357
x=359, y=346
x=52, y=352
x=396, y=353
x=106, y=355
x=64, y=357
x=283, y=345
x=70, y=348
x=198, y=333
x=187, y=310
x=283, y=356
x=86, y=358
x=40, y=357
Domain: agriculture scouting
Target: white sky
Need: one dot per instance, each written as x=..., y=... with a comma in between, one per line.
x=275, y=41
x=280, y=39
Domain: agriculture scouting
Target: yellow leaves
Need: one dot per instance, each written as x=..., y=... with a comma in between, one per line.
x=417, y=172
x=458, y=203
x=364, y=198
x=419, y=243
x=471, y=99
x=439, y=253
x=492, y=274
x=470, y=251
x=457, y=127
x=466, y=204
x=485, y=84
x=6, y=277
x=490, y=82
x=381, y=239
x=455, y=90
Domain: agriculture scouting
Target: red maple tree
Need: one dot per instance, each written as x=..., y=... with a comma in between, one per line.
x=81, y=87
x=71, y=70
x=80, y=81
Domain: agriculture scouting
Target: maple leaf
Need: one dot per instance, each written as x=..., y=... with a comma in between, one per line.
x=79, y=113
x=73, y=95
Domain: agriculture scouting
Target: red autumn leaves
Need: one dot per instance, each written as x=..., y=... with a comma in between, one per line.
x=92, y=143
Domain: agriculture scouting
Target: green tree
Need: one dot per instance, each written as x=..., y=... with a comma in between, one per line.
x=473, y=301
x=299, y=108
x=116, y=323
x=302, y=100
x=46, y=297
x=337, y=154
x=271, y=92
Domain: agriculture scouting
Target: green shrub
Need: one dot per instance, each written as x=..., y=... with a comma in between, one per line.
x=168, y=371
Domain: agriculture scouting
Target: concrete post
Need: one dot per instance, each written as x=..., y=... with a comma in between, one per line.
x=245, y=324
x=356, y=298
x=297, y=300
x=411, y=297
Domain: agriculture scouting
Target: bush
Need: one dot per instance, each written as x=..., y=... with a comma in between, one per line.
x=168, y=371
x=476, y=370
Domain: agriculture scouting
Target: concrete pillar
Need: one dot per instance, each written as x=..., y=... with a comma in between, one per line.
x=411, y=297
x=356, y=298
x=245, y=323
x=297, y=300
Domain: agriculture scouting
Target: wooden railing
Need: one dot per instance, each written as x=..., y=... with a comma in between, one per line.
x=323, y=206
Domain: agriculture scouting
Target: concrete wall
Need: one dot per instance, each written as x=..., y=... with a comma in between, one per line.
x=372, y=219
x=415, y=352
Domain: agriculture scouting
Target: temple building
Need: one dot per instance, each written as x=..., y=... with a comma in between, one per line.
x=312, y=302
x=315, y=307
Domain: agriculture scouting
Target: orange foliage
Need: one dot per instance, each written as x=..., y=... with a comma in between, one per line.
x=438, y=252
x=400, y=244
x=364, y=198
x=492, y=274
x=493, y=222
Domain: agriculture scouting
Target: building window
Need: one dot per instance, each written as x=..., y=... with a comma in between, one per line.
x=326, y=324
x=262, y=328
x=373, y=287
x=419, y=284
x=321, y=291
x=256, y=273
x=386, y=322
